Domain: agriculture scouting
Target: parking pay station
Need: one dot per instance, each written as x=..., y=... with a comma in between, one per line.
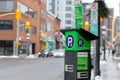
x=77, y=54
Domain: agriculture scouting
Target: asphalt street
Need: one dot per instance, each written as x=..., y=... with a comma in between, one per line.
x=32, y=69
x=48, y=69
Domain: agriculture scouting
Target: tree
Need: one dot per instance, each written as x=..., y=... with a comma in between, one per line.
x=103, y=10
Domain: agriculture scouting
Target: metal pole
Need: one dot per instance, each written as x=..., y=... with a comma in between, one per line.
x=104, y=49
x=28, y=43
x=97, y=58
x=17, y=38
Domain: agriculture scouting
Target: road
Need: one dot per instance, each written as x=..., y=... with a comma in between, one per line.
x=32, y=69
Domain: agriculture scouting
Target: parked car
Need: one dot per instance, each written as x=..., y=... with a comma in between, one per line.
x=45, y=53
x=58, y=53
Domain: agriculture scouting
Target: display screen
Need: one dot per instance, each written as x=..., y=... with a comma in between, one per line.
x=82, y=61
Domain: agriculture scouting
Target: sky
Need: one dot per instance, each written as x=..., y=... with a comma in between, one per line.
x=110, y=4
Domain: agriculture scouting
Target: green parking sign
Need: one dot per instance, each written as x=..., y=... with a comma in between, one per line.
x=78, y=16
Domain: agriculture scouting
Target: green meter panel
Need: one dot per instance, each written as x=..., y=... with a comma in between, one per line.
x=76, y=42
x=82, y=61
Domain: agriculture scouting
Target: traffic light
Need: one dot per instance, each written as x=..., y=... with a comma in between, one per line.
x=27, y=25
x=18, y=14
x=86, y=25
x=101, y=19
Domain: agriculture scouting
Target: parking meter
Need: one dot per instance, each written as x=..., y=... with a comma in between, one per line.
x=77, y=54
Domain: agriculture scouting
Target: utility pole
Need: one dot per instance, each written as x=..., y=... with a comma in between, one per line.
x=18, y=17
x=28, y=37
x=97, y=59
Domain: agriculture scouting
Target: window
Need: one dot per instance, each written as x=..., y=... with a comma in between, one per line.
x=6, y=25
x=22, y=27
x=6, y=48
x=32, y=30
x=27, y=10
x=23, y=8
x=68, y=15
x=57, y=2
x=6, y=4
x=42, y=26
x=68, y=2
x=43, y=13
x=32, y=13
x=68, y=9
x=49, y=26
x=68, y=22
x=57, y=14
x=57, y=8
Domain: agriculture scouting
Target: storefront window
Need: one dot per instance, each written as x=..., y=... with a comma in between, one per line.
x=6, y=48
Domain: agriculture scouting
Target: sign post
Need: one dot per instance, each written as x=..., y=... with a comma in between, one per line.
x=94, y=19
x=78, y=14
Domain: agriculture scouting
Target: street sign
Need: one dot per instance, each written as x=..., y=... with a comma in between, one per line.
x=80, y=42
x=94, y=19
x=78, y=15
x=69, y=41
x=76, y=41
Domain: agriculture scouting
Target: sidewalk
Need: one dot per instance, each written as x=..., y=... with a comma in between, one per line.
x=110, y=70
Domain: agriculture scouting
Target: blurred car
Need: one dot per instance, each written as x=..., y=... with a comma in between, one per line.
x=58, y=53
x=45, y=53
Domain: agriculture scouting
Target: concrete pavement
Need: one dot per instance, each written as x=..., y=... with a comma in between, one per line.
x=110, y=70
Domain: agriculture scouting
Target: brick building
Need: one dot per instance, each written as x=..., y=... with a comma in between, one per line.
x=33, y=11
x=53, y=27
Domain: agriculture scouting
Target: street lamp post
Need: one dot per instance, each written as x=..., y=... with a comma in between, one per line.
x=18, y=17
x=104, y=44
x=28, y=37
x=28, y=42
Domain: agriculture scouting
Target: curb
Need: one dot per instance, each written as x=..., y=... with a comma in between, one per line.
x=9, y=57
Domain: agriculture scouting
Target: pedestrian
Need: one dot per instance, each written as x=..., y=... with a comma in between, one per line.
x=113, y=52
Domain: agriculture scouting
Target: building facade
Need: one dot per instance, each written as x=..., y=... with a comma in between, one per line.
x=117, y=31
x=53, y=27
x=11, y=29
x=63, y=9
